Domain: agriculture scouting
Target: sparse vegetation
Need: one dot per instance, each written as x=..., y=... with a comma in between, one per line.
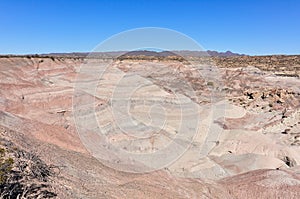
x=23, y=175
x=210, y=84
x=6, y=164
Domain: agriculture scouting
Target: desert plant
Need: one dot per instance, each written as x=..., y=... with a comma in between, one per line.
x=6, y=164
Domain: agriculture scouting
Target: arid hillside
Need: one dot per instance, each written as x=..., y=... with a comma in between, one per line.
x=236, y=118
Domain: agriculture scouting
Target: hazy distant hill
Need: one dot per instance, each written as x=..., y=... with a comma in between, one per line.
x=148, y=53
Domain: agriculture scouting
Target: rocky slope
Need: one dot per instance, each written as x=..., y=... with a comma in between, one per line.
x=246, y=146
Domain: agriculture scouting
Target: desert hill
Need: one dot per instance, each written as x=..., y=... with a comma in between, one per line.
x=247, y=145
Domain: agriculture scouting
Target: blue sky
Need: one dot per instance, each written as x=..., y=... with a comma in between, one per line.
x=252, y=27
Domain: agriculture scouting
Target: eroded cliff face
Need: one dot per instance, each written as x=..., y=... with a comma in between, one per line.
x=254, y=112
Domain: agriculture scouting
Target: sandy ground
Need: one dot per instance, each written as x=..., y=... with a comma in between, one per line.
x=236, y=130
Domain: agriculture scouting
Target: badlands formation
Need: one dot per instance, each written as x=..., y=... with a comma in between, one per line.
x=235, y=122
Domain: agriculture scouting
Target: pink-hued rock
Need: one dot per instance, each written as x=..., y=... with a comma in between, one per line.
x=256, y=119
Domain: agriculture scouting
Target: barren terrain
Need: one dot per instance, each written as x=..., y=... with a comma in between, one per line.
x=247, y=143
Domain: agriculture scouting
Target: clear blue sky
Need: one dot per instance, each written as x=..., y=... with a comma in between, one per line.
x=243, y=26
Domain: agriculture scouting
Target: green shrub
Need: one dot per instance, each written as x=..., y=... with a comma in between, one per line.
x=210, y=84
x=6, y=165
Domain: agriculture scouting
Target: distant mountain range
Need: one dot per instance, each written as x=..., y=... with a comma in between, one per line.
x=140, y=53
x=183, y=53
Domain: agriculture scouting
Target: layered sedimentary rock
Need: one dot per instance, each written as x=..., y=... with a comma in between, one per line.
x=238, y=119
